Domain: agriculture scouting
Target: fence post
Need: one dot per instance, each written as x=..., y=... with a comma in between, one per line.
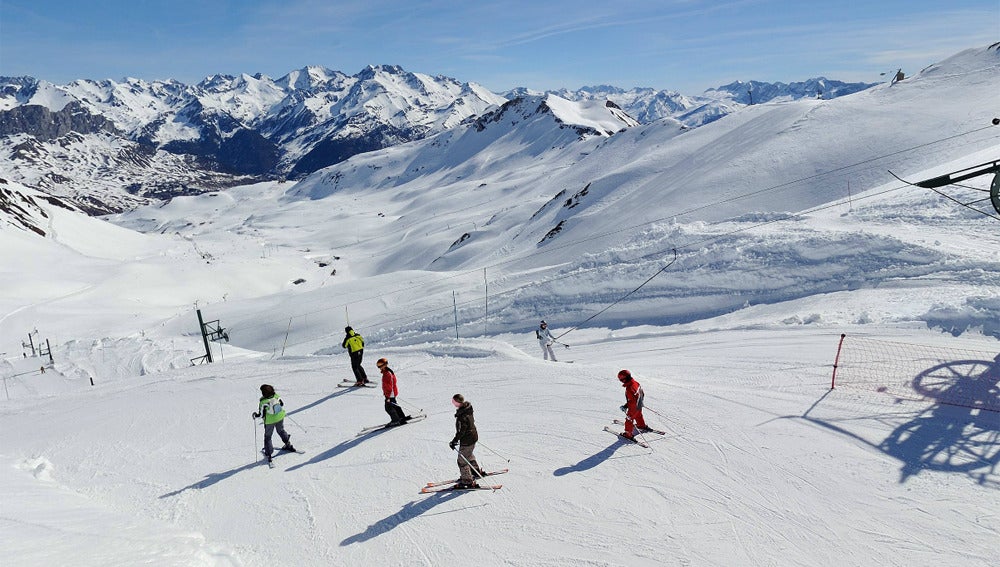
x=836, y=361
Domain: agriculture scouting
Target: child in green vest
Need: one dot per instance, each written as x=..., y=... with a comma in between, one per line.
x=272, y=410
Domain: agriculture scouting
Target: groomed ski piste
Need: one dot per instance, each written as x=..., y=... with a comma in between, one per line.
x=158, y=462
x=761, y=463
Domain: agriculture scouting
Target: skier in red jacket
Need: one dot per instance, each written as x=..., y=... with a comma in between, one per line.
x=633, y=404
x=390, y=391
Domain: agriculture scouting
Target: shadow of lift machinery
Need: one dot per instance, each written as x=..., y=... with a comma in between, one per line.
x=210, y=331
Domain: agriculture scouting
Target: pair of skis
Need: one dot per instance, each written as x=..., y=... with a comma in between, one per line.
x=639, y=442
x=390, y=425
x=354, y=384
x=448, y=485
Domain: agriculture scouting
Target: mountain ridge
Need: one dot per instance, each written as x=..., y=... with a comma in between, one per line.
x=234, y=128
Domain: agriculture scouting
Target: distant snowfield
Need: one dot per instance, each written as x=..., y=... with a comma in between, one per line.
x=444, y=255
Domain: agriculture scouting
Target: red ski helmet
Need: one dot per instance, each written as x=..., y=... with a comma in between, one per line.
x=624, y=375
x=381, y=362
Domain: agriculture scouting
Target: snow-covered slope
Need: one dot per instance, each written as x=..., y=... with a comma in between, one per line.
x=444, y=254
x=512, y=192
x=758, y=465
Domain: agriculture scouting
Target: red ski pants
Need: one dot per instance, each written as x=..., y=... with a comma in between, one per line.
x=633, y=419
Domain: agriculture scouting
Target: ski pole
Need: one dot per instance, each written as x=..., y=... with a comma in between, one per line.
x=457, y=450
x=494, y=452
x=645, y=407
x=474, y=471
x=296, y=423
x=658, y=414
x=254, y=420
x=635, y=427
x=419, y=410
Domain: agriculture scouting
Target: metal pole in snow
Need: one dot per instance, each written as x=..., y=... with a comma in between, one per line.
x=204, y=337
x=454, y=301
x=286, y=336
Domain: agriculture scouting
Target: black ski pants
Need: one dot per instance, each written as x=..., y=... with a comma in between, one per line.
x=359, y=371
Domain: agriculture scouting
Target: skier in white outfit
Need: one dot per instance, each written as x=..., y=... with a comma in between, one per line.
x=545, y=340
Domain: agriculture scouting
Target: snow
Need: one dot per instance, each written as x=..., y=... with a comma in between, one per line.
x=592, y=113
x=123, y=453
x=50, y=96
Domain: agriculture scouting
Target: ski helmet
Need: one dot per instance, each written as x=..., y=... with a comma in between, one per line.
x=624, y=375
x=381, y=362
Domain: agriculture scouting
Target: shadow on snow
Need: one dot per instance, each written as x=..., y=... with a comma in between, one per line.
x=338, y=449
x=213, y=478
x=408, y=512
x=591, y=461
x=321, y=400
x=957, y=434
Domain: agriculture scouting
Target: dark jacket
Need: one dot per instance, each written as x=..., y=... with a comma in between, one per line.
x=465, y=425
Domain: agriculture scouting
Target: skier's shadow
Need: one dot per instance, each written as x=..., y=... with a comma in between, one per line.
x=338, y=449
x=211, y=479
x=591, y=461
x=408, y=512
x=321, y=400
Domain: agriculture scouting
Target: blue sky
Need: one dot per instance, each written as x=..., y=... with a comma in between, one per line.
x=682, y=45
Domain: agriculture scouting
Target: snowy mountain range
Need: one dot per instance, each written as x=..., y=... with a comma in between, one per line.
x=149, y=140
x=542, y=176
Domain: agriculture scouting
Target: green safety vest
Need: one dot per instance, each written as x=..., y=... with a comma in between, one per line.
x=271, y=410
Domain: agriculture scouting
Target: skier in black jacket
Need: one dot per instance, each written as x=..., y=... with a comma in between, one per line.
x=465, y=440
x=355, y=345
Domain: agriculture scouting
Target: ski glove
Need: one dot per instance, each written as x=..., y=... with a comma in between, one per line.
x=255, y=415
x=452, y=445
x=624, y=407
